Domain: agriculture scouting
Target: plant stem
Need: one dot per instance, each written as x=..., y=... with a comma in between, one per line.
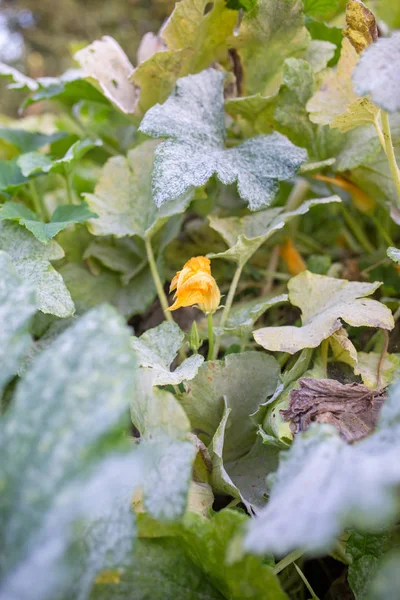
x=228, y=306
x=68, y=186
x=305, y=581
x=38, y=203
x=324, y=355
x=297, y=195
x=210, y=336
x=380, y=134
x=357, y=231
x=390, y=154
x=157, y=281
x=288, y=560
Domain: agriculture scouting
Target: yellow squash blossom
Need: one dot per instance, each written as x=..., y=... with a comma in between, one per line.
x=195, y=285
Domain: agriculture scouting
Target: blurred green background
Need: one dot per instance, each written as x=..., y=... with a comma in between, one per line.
x=38, y=37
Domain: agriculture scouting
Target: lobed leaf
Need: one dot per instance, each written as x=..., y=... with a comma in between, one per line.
x=193, y=120
x=324, y=301
x=35, y=163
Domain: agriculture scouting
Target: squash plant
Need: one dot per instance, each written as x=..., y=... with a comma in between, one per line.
x=214, y=444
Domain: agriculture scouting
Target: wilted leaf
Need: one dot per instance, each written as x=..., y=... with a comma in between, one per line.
x=265, y=32
x=361, y=27
x=123, y=197
x=194, y=152
x=243, y=315
x=106, y=63
x=32, y=263
x=35, y=163
x=44, y=232
x=346, y=486
x=244, y=235
x=80, y=398
x=17, y=306
x=352, y=408
x=156, y=350
x=324, y=301
x=336, y=103
x=28, y=141
x=376, y=73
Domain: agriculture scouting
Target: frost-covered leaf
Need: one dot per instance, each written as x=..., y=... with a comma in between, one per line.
x=330, y=485
x=164, y=429
x=387, y=580
x=62, y=217
x=32, y=263
x=319, y=53
x=106, y=63
x=157, y=348
x=324, y=302
x=28, y=141
x=18, y=81
x=394, y=254
x=377, y=73
x=219, y=402
x=265, y=32
x=243, y=315
x=48, y=483
x=193, y=120
x=336, y=103
x=17, y=306
x=123, y=196
x=360, y=147
x=35, y=163
x=244, y=235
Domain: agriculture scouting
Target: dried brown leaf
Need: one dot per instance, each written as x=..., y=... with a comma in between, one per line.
x=361, y=27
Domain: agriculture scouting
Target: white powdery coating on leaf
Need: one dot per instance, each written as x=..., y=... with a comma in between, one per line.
x=31, y=261
x=378, y=73
x=193, y=120
x=17, y=306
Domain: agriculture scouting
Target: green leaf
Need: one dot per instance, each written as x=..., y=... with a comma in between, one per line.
x=18, y=81
x=265, y=32
x=123, y=197
x=196, y=34
x=35, y=163
x=244, y=235
x=366, y=552
x=54, y=470
x=106, y=63
x=18, y=305
x=44, y=232
x=346, y=486
x=375, y=73
x=238, y=4
x=192, y=154
x=156, y=350
x=32, y=262
x=160, y=569
x=394, y=254
x=387, y=581
x=243, y=315
x=324, y=302
x=242, y=381
x=164, y=428
x=320, y=9
x=69, y=89
x=256, y=111
x=11, y=177
x=28, y=141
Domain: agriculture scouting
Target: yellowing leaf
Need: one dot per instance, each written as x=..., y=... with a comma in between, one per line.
x=324, y=302
x=336, y=104
x=361, y=27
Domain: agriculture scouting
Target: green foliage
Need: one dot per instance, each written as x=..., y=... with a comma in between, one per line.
x=262, y=111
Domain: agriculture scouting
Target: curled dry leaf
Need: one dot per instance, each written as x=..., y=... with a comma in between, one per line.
x=361, y=27
x=352, y=408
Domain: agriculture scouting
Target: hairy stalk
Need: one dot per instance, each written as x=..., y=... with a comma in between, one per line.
x=228, y=306
x=288, y=560
x=210, y=337
x=391, y=155
x=157, y=281
x=38, y=203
